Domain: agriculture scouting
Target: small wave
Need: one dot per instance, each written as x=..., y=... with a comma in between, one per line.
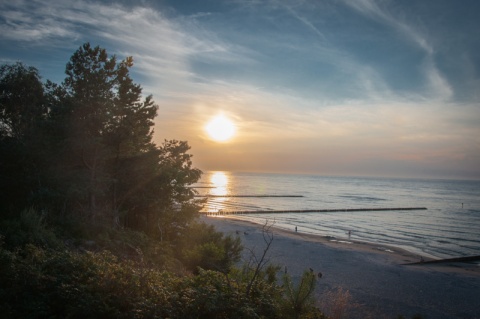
x=475, y=211
x=363, y=198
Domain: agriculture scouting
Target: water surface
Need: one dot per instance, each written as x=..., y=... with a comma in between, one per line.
x=450, y=227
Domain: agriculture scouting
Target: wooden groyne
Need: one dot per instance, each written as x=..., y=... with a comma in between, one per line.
x=241, y=212
x=201, y=187
x=448, y=260
x=226, y=196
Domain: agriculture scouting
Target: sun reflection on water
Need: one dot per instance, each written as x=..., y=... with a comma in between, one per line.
x=219, y=180
x=220, y=187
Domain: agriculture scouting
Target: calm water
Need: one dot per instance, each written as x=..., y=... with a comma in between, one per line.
x=445, y=229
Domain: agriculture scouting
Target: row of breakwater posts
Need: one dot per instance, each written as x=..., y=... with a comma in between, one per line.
x=243, y=212
x=225, y=196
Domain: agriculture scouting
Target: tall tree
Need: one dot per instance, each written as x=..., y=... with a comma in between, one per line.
x=129, y=134
x=22, y=109
x=175, y=200
x=116, y=169
x=107, y=122
x=89, y=146
x=153, y=192
x=21, y=100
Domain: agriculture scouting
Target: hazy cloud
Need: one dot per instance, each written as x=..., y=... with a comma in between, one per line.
x=292, y=75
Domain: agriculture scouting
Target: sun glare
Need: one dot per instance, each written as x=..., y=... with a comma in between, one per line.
x=220, y=128
x=219, y=180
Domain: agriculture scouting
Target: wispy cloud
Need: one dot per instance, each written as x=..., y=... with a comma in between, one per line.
x=195, y=69
x=371, y=9
x=21, y=25
x=306, y=22
x=437, y=82
x=137, y=29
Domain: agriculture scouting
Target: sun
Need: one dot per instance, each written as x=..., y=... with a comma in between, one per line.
x=220, y=128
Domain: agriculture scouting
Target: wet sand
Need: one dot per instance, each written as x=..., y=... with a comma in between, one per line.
x=375, y=275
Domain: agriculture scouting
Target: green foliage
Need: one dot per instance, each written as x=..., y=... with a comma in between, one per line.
x=299, y=299
x=203, y=247
x=83, y=149
x=112, y=273
x=39, y=283
x=66, y=284
x=22, y=110
x=29, y=228
x=21, y=100
x=103, y=123
x=96, y=221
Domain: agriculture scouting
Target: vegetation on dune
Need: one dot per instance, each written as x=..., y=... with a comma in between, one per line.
x=96, y=221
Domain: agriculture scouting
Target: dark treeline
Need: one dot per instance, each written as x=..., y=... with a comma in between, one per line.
x=83, y=148
x=97, y=221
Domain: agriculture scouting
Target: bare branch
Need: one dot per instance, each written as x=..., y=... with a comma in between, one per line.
x=260, y=263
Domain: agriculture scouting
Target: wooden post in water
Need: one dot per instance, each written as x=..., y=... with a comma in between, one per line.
x=223, y=213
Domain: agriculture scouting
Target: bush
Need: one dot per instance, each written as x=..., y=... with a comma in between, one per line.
x=39, y=283
x=298, y=300
x=203, y=247
x=29, y=227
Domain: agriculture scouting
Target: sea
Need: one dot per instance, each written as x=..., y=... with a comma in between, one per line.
x=449, y=227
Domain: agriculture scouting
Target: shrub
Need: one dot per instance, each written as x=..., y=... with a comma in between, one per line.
x=298, y=300
x=203, y=247
x=38, y=283
x=29, y=228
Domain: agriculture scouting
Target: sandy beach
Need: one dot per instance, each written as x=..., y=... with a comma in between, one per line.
x=376, y=277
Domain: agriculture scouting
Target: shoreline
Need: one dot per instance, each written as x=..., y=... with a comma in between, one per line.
x=391, y=254
x=375, y=276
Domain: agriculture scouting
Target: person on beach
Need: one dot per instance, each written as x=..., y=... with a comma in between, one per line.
x=295, y=228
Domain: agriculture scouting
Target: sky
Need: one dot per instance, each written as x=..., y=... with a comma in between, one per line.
x=326, y=87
